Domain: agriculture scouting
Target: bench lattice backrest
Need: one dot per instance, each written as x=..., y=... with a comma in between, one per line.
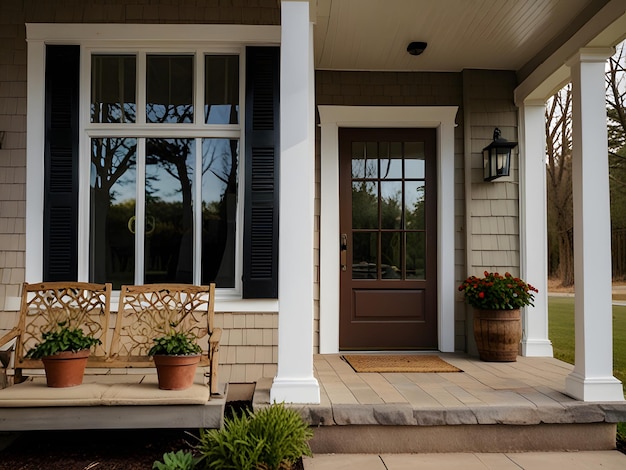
x=152, y=310
x=78, y=304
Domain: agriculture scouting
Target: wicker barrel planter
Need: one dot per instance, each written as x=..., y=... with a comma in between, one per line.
x=498, y=334
x=65, y=369
x=176, y=372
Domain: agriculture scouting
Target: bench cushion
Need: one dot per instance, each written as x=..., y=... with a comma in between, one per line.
x=109, y=390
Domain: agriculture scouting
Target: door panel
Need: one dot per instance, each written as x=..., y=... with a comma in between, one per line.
x=388, y=239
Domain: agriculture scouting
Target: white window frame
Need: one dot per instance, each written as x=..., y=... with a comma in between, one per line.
x=119, y=39
x=142, y=130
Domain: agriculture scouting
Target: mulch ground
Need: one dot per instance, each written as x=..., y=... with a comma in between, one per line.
x=90, y=450
x=98, y=449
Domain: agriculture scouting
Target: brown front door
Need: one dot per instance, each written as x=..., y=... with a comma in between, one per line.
x=388, y=239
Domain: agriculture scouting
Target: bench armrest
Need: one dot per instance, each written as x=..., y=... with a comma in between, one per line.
x=14, y=333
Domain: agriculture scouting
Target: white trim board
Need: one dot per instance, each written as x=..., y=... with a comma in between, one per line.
x=331, y=119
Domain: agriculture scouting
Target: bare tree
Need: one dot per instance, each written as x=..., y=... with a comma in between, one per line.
x=559, y=185
x=616, y=113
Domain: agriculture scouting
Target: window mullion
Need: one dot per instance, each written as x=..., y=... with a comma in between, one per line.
x=140, y=212
x=141, y=87
x=197, y=215
x=198, y=115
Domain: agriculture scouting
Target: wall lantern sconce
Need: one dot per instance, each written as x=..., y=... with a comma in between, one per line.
x=497, y=157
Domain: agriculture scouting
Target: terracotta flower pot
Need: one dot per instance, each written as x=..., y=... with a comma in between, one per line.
x=498, y=334
x=176, y=372
x=65, y=369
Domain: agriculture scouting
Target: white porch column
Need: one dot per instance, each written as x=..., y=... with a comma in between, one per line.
x=295, y=382
x=592, y=378
x=533, y=226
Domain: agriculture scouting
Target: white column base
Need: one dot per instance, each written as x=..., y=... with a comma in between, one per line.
x=593, y=389
x=537, y=348
x=304, y=391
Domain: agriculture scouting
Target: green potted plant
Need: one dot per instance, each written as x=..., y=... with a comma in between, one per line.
x=176, y=356
x=64, y=352
x=497, y=301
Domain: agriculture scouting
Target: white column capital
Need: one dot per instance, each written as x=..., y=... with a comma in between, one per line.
x=591, y=54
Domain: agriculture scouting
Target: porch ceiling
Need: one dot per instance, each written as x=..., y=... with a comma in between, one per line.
x=461, y=34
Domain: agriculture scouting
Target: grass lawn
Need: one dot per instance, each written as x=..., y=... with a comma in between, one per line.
x=561, y=332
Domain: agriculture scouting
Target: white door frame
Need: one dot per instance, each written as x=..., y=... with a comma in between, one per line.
x=331, y=119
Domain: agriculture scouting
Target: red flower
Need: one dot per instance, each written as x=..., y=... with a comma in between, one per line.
x=481, y=295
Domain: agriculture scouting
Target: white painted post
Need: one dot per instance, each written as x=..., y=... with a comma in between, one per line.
x=533, y=226
x=592, y=378
x=294, y=381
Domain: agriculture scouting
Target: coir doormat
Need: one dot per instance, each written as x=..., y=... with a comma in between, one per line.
x=398, y=363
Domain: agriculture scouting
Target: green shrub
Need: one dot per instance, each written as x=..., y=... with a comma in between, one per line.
x=272, y=438
x=175, y=344
x=63, y=338
x=181, y=460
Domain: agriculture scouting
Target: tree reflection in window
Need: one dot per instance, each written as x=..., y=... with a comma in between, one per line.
x=113, y=88
x=219, y=210
x=112, y=201
x=169, y=89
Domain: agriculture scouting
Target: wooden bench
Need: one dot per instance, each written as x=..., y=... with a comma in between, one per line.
x=116, y=370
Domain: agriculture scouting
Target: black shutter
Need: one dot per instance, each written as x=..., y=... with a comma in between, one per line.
x=60, y=218
x=260, y=268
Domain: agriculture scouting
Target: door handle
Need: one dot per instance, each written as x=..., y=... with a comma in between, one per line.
x=343, y=247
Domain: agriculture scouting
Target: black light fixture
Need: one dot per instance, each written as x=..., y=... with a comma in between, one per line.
x=416, y=48
x=497, y=157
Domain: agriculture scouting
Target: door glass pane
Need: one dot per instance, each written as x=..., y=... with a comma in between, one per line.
x=416, y=255
x=221, y=89
x=414, y=160
x=364, y=205
x=169, y=88
x=364, y=255
x=390, y=160
x=414, y=195
x=391, y=204
x=219, y=210
x=364, y=160
x=112, y=211
x=390, y=255
x=168, y=242
x=113, y=85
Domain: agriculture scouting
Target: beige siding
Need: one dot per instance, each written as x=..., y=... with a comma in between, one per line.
x=492, y=234
x=249, y=346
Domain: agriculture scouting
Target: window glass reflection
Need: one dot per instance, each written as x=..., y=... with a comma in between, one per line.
x=219, y=210
x=391, y=255
x=391, y=204
x=364, y=255
x=168, y=240
x=169, y=89
x=221, y=89
x=364, y=205
x=415, y=197
x=414, y=160
x=112, y=210
x=416, y=255
x=113, y=88
x=390, y=160
x=364, y=160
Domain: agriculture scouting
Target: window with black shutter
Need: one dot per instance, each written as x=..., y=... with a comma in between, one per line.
x=144, y=165
x=60, y=218
x=260, y=275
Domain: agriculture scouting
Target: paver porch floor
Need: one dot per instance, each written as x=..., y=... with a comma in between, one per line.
x=520, y=397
